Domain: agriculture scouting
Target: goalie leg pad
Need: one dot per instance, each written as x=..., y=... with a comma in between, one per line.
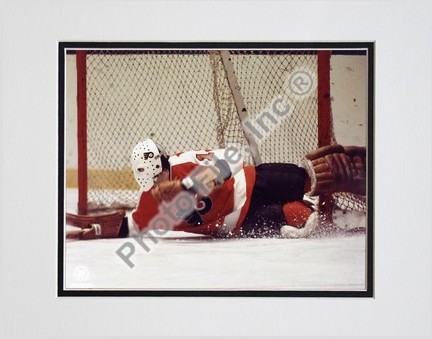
x=297, y=213
x=98, y=226
x=291, y=232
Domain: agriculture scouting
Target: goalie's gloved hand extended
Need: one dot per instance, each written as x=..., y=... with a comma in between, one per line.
x=335, y=168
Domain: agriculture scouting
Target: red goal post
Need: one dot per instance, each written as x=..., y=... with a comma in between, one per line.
x=184, y=99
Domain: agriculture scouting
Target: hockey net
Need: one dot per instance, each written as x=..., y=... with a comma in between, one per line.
x=183, y=101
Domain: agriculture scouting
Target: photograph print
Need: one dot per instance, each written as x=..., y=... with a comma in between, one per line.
x=216, y=169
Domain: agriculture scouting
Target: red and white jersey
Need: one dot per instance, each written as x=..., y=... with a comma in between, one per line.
x=220, y=213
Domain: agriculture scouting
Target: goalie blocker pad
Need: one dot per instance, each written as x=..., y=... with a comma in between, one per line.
x=98, y=226
x=335, y=168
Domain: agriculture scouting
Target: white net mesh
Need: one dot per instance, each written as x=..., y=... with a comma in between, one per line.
x=183, y=101
x=264, y=80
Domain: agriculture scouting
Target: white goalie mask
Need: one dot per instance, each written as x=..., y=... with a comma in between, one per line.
x=146, y=163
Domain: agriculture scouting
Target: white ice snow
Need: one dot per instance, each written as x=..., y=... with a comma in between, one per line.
x=181, y=261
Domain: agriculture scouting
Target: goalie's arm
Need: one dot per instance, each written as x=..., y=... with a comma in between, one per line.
x=232, y=158
x=202, y=180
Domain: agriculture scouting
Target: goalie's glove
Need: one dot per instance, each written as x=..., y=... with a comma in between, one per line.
x=97, y=226
x=335, y=168
x=358, y=158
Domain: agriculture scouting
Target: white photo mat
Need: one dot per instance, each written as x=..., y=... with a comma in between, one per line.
x=30, y=34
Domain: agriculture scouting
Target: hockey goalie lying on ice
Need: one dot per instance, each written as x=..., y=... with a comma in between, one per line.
x=214, y=193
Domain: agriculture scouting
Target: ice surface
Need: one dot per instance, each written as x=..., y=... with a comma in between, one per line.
x=181, y=261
